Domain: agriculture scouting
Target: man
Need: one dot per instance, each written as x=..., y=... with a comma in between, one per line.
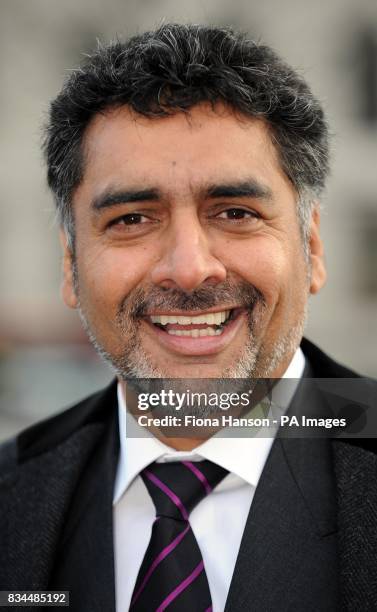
x=187, y=166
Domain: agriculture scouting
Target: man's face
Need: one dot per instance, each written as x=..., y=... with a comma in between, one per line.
x=189, y=216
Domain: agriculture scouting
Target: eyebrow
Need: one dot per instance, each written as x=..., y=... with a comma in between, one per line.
x=243, y=189
x=114, y=198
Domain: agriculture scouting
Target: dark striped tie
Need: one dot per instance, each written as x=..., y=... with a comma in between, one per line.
x=172, y=574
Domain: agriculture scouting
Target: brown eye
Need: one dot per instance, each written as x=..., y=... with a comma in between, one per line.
x=237, y=214
x=131, y=219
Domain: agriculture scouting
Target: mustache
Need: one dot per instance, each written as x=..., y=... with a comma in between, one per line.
x=144, y=300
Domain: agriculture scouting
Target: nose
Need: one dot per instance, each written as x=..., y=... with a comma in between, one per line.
x=187, y=261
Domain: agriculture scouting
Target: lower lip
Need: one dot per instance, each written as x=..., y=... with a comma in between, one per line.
x=204, y=345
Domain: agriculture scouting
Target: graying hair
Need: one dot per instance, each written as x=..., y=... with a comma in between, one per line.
x=172, y=69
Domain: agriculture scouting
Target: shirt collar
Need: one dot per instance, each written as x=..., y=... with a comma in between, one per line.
x=244, y=457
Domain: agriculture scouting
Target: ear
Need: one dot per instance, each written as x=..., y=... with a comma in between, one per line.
x=67, y=287
x=316, y=254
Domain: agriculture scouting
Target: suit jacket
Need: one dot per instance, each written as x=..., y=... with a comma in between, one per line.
x=309, y=543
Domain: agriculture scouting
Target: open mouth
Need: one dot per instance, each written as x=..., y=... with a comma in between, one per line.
x=198, y=326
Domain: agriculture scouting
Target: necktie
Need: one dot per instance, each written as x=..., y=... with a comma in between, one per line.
x=172, y=574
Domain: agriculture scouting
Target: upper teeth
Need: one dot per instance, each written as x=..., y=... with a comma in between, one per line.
x=213, y=318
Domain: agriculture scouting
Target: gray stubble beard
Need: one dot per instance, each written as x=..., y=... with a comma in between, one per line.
x=135, y=363
x=254, y=361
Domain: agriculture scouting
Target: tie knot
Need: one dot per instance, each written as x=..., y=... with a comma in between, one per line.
x=177, y=487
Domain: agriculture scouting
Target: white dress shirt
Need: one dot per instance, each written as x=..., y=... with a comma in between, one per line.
x=218, y=521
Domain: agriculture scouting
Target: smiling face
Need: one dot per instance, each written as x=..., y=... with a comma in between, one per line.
x=189, y=260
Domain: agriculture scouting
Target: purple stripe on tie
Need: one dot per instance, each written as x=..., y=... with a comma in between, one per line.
x=174, y=498
x=181, y=587
x=209, y=609
x=191, y=466
x=164, y=553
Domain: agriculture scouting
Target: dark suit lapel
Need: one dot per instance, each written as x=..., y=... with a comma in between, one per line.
x=288, y=554
x=34, y=500
x=85, y=559
x=287, y=558
x=46, y=476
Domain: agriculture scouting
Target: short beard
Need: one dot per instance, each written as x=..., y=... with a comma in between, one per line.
x=135, y=366
x=135, y=363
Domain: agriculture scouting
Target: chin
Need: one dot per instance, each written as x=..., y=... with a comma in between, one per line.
x=196, y=372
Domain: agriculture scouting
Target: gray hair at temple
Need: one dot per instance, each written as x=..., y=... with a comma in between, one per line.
x=173, y=68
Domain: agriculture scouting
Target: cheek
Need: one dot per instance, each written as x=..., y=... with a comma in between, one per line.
x=107, y=277
x=263, y=263
x=277, y=269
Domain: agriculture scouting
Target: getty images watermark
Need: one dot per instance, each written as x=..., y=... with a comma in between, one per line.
x=187, y=399
x=246, y=408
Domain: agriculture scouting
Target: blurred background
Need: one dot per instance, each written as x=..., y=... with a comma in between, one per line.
x=45, y=360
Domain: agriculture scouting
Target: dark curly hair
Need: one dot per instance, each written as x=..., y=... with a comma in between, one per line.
x=172, y=69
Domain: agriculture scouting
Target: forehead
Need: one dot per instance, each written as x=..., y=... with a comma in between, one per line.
x=203, y=145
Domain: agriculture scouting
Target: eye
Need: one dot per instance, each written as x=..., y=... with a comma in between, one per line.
x=130, y=219
x=238, y=214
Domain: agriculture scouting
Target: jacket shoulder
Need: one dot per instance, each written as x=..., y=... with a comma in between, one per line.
x=322, y=366
x=8, y=454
